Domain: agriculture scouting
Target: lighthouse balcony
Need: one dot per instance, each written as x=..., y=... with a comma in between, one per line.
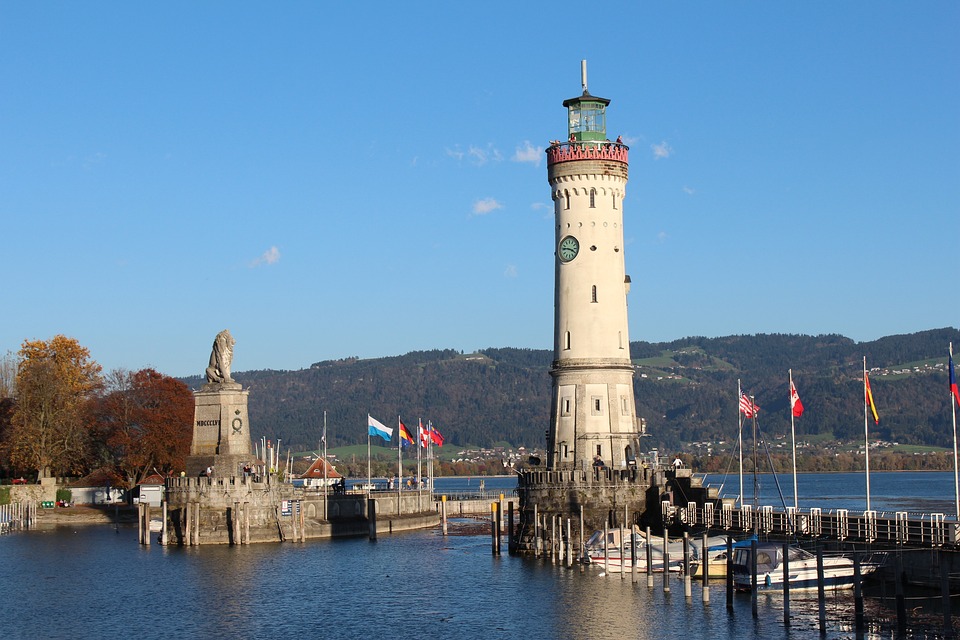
x=572, y=151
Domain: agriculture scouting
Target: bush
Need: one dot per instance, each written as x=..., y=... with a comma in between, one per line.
x=64, y=495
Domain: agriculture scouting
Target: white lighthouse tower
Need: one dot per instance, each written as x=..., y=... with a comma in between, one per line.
x=593, y=416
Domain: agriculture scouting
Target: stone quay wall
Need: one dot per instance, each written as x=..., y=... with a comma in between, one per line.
x=244, y=510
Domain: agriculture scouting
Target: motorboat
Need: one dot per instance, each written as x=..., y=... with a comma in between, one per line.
x=838, y=570
x=716, y=554
x=606, y=552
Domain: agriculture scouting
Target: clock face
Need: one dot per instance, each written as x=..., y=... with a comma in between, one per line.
x=568, y=249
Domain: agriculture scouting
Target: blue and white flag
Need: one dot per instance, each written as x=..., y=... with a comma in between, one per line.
x=377, y=428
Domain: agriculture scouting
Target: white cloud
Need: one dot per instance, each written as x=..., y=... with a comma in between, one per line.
x=510, y=271
x=270, y=256
x=662, y=150
x=662, y=237
x=527, y=153
x=485, y=206
x=689, y=191
x=455, y=153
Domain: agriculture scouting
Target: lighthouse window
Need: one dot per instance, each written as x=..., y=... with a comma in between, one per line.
x=566, y=199
x=593, y=197
x=566, y=340
x=565, y=407
x=597, y=411
x=593, y=294
x=614, y=201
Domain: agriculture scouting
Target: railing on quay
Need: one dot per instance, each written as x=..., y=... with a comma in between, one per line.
x=898, y=528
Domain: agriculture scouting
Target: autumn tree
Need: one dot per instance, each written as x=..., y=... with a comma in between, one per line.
x=145, y=423
x=55, y=380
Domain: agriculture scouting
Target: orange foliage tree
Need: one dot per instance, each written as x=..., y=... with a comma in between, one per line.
x=145, y=423
x=48, y=432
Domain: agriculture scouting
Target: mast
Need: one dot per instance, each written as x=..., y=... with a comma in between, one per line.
x=953, y=408
x=756, y=478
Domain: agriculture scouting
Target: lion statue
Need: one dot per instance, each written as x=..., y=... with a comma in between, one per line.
x=220, y=358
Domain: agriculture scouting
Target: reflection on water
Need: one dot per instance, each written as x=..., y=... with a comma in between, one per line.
x=94, y=582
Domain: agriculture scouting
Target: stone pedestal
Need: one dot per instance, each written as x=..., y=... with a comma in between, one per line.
x=221, y=430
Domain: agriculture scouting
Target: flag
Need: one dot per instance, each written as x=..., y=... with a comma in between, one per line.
x=424, y=436
x=795, y=405
x=377, y=428
x=869, y=398
x=405, y=437
x=747, y=407
x=435, y=436
x=953, y=381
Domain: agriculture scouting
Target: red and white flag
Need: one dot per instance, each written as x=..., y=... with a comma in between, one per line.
x=795, y=405
x=747, y=407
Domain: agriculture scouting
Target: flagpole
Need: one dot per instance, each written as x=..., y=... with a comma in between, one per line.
x=953, y=409
x=866, y=433
x=740, y=438
x=793, y=440
x=756, y=466
x=399, y=460
x=325, y=481
x=369, y=475
x=419, y=445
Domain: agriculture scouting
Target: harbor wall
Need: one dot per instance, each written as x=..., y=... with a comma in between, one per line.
x=248, y=509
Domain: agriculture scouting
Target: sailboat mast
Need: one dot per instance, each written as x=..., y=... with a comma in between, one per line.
x=953, y=408
x=740, y=437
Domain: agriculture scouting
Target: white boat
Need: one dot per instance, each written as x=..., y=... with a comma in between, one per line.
x=600, y=552
x=837, y=570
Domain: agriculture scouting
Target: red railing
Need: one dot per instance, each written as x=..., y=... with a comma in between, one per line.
x=569, y=151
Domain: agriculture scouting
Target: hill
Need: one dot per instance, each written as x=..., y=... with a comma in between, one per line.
x=685, y=389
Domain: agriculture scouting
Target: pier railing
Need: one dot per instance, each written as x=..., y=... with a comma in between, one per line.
x=900, y=528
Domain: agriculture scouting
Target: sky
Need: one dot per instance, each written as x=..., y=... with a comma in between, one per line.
x=330, y=180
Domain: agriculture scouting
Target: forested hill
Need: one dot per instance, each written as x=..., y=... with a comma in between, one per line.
x=686, y=390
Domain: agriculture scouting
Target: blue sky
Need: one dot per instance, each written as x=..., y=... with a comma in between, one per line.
x=330, y=181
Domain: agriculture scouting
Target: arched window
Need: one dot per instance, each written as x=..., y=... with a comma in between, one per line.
x=566, y=199
x=593, y=196
x=593, y=294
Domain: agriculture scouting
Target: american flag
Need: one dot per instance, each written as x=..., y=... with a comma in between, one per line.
x=747, y=406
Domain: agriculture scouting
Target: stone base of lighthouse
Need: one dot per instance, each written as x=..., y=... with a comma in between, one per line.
x=599, y=496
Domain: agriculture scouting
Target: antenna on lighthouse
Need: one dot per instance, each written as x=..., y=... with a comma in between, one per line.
x=583, y=74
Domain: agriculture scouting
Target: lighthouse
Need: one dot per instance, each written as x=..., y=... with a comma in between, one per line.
x=593, y=413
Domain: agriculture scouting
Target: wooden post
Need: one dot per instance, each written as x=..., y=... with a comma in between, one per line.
x=493, y=528
x=945, y=594
x=246, y=522
x=687, y=591
x=569, y=544
x=901, y=603
x=606, y=549
x=196, y=523
x=821, y=591
x=163, y=526
x=140, y=522
x=786, y=584
x=623, y=566
x=187, y=525
x=146, y=524
x=581, y=549
x=859, y=623
x=705, y=568
x=235, y=524
x=511, y=541
x=753, y=577
x=536, y=532
x=303, y=529
x=372, y=518
x=443, y=514
x=649, y=547
x=666, y=560
x=729, y=577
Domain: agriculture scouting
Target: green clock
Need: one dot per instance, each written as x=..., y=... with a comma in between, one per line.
x=568, y=249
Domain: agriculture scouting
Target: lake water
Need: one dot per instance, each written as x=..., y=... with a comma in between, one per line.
x=97, y=582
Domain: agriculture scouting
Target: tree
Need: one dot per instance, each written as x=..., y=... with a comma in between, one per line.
x=145, y=422
x=55, y=379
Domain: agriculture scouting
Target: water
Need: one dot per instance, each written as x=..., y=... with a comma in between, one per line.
x=97, y=582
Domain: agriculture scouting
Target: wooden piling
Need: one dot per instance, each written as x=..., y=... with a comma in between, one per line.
x=859, y=622
x=372, y=518
x=140, y=523
x=146, y=524
x=246, y=522
x=235, y=524
x=511, y=541
x=786, y=584
x=606, y=548
x=753, y=577
x=666, y=561
x=580, y=549
x=901, y=602
x=622, y=555
x=687, y=592
x=163, y=526
x=649, y=549
x=821, y=591
x=705, y=567
x=493, y=528
x=729, y=578
x=536, y=532
x=569, y=544
x=443, y=514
